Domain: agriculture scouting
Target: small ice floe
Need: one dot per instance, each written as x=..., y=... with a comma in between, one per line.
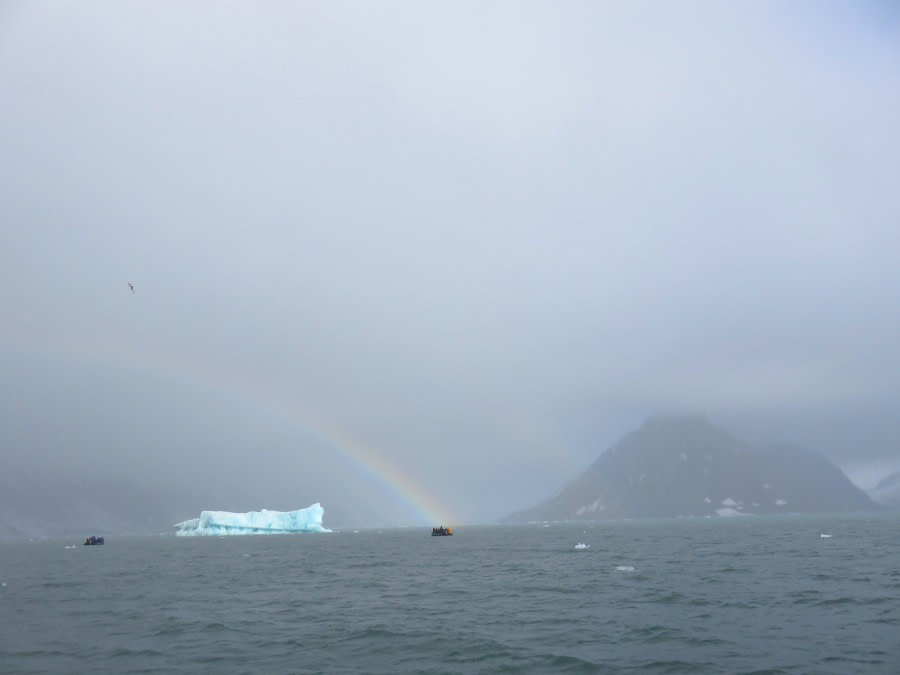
x=625, y=568
x=824, y=536
x=70, y=547
x=246, y=555
x=581, y=546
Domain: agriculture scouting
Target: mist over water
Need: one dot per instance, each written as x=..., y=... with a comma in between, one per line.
x=700, y=596
x=248, y=255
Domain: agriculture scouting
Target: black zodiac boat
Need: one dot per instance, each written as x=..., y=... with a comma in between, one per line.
x=441, y=531
x=93, y=541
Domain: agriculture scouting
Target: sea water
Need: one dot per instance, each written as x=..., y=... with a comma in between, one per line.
x=734, y=595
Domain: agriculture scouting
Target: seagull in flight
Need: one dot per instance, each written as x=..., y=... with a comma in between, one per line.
x=131, y=286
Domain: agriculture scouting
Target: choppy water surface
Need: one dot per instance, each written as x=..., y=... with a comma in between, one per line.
x=729, y=595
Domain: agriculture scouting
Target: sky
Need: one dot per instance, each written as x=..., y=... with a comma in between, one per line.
x=426, y=260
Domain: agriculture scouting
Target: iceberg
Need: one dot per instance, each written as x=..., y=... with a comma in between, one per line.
x=218, y=523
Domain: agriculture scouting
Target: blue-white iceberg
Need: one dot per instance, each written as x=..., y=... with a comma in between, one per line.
x=217, y=523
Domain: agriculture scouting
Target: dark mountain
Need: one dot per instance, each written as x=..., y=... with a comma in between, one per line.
x=687, y=467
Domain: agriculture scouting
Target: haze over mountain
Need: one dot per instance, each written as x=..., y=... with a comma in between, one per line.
x=418, y=261
x=685, y=466
x=54, y=501
x=48, y=502
x=669, y=467
x=887, y=491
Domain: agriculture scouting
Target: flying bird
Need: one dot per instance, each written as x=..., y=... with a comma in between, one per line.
x=131, y=286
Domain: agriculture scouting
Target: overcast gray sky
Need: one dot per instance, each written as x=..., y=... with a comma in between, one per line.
x=474, y=242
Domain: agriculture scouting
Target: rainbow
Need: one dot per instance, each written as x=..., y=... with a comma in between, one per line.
x=370, y=463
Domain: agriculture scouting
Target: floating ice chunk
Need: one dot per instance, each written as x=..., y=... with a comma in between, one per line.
x=729, y=502
x=220, y=523
x=780, y=502
x=581, y=546
x=625, y=568
x=707, y=500
x=728, y=512
x=825, y=536
x=70, y=547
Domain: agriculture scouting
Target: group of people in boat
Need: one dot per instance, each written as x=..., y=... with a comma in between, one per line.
x=93, y=541
x=441, y=531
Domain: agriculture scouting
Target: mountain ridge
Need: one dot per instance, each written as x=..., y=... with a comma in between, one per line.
x=686, y=466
